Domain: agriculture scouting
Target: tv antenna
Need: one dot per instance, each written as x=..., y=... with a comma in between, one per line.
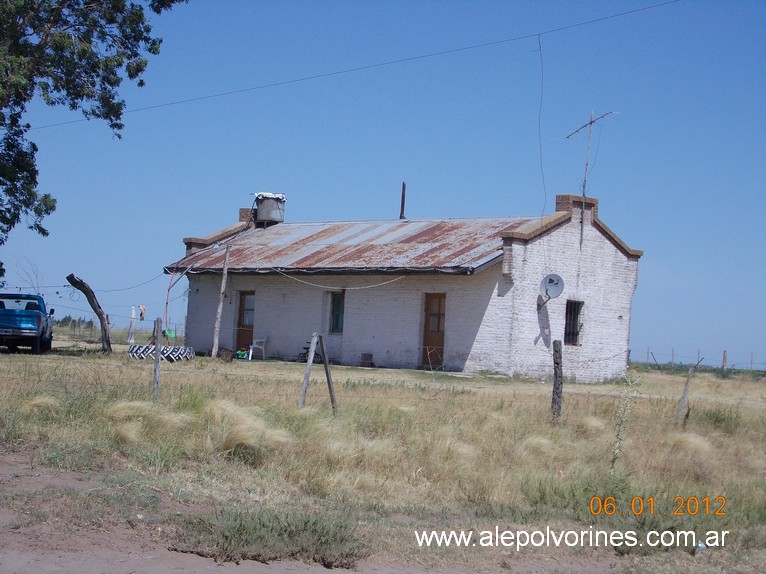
x=588, y=125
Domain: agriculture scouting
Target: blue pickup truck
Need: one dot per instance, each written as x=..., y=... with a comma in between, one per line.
x=25, y=322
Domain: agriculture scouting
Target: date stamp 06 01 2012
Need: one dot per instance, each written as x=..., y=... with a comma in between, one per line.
x=645, y=505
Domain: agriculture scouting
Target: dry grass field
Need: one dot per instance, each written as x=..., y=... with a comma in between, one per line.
x=225, y=467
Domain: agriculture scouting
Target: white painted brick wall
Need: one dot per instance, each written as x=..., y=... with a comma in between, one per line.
x=380, y=317
x=492, y=321
x=599, y=275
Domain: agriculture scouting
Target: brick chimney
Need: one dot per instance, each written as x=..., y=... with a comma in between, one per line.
x=571, y=202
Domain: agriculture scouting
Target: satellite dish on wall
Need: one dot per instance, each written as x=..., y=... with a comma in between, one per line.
x=551, y=286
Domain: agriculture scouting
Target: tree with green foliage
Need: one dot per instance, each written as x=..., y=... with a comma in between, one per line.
x=67, y=52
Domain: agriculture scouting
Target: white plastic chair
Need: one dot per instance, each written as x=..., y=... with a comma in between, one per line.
x=257, y=344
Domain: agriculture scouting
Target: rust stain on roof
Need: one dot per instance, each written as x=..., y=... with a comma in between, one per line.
x=454, y=245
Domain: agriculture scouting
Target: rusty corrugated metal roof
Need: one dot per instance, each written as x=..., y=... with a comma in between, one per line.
x=448, y=245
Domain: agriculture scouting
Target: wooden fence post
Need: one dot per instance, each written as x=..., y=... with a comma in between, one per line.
x=307, y=374
x=658, y=365
x=328, y=375
x=316, y=338
x=685, y=394
x=558, y=381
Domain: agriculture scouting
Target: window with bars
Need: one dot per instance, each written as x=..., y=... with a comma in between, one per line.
x=573, y=324
x=337, y=302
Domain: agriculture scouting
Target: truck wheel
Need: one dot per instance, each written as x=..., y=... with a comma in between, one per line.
x=13, y=349
x=46, y=345
x=37, y=345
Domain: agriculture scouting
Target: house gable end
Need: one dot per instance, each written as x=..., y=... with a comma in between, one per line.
x=565, y=207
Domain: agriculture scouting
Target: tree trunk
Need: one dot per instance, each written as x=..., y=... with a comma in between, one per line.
x=80, y=285
x=558, y=381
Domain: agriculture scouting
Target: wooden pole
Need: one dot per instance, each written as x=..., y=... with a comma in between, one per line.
x=558, y=381
x=328, y=375
x=724, y=364
x=685, y=394
x=219, y=311
x=307, y=374
x=157, y=357
x=132, y=327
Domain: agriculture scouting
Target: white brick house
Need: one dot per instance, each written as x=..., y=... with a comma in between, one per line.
x=457, y=294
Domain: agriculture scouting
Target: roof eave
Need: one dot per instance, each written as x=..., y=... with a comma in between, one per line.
x=537, y=227
x=619, y=243
x=457, y=270
x=545, y=224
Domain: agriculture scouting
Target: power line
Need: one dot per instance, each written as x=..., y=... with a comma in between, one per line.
x=380, y=64
x=67, y=286
x=129, y=288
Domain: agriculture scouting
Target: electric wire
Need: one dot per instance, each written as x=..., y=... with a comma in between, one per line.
x=129, y=288
x=544, y=239
x=335, y=287
x=379, y=64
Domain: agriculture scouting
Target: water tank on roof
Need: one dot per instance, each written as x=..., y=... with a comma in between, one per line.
x=269, y=208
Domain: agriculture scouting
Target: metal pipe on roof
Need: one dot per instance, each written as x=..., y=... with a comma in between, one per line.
x=404, y=194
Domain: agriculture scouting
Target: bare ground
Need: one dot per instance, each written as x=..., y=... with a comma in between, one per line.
x=37, y=538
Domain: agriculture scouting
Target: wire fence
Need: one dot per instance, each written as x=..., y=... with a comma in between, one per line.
x=669, y=359
x=353, y=386
x=716, y=359
x=89, y=331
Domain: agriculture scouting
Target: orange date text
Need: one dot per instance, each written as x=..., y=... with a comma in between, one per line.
x=647, y=505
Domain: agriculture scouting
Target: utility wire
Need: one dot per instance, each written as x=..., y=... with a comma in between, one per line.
x=67, y=286
x=381, y=64
x=129, y=288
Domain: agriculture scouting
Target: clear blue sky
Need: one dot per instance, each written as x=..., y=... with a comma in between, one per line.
x=679, y=169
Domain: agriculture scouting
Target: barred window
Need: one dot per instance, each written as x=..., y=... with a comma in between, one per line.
x=573, y=323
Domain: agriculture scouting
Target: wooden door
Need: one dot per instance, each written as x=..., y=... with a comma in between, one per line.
x=245, y=319
x=433, y=331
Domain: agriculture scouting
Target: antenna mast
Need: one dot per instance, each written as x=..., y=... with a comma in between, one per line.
x=589, y=125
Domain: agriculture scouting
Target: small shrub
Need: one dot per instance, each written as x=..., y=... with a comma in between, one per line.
x=67, y=456
x=10, y=428
x=726, y=419
x=265, y=535
x=159, y=458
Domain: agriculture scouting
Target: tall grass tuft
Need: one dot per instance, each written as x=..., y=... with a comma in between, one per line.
x=143, y=421
x=239, y=433
x=724, y=418
x=42, y=407
x=263, y=535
